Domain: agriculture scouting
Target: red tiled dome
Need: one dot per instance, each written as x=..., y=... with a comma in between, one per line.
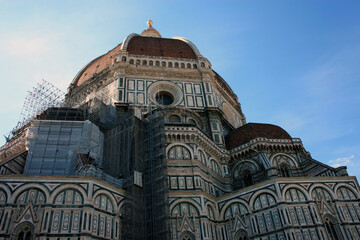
x=160, y=47
x=96, y=66
x=251, y=131
x=138, y=45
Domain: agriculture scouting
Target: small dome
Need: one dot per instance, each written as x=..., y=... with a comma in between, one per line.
x=251, y=131
x=150, y=31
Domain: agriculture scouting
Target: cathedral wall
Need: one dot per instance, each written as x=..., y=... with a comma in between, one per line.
x=65, y=207
x=282, y=208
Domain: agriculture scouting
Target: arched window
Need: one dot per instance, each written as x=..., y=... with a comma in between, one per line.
x=247, y=178
x=157, y=63
x=202, y=64
x=138, y=62
x=36, y=196
x=345, y=193
x=202, y=158
x=263, y=201
x=188, y=65
x=151, y=63
x=284, y=170
x=3, y=197
x=194, y=66
x=242, y=235
x=25, y=231
x=123, y=59
x=215, y=167
x=144, y=62
x=69, y=196
x=331, y=228
x=182, y=65
x=170, y=64
x=179, y=153
x=163, y=64
x=187, y=236
x=131, y=61
x=104, y=203
x=174, y=118
x=320, y=193
x=176, y=64
x=211, y=214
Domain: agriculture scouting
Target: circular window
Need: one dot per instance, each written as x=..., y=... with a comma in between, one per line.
x=165, y=93
x=164, y=98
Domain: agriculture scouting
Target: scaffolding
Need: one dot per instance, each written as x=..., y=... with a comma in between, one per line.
x=155, y=177
x=123, y=157
x=133, y=152
x=41, y=97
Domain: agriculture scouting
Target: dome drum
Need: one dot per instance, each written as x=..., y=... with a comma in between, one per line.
x=156, y=61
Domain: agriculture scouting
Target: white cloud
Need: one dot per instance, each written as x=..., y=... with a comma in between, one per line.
x=344, y=161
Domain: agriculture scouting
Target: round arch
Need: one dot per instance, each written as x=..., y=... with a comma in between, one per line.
x=213, y=208
x=195, y=204
x=262, y=191
x=107, y=194
x=206, y=158
x=252, y=162
x=272, y=159
x=229, y=203
x=168, y=147
x=7, y=192
x=351, y=188
x=327, y=188
x=187, y=235
x=69, y=186
x=26, y=229
x=297, y=187
x=217, y=166
x=30, y=186
x=123, y=203
x=241, y=234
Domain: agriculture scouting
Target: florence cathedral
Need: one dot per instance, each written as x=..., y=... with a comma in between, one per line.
x=150, y=142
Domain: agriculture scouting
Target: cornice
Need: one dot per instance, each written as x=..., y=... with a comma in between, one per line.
x=194, y=135
x=265, y=143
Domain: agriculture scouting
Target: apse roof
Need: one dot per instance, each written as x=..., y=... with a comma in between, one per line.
x=251, y=131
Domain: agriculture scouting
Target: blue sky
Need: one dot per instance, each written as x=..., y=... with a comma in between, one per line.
x=293, y=63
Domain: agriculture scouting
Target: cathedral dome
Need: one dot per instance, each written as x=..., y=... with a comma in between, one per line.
x=160, y=47
x=251, y=131
x=149, y=44
x=95, y=66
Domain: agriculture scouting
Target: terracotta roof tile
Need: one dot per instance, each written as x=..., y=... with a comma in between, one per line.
x=138, y=45
x=96, y=66
x=161, y=47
